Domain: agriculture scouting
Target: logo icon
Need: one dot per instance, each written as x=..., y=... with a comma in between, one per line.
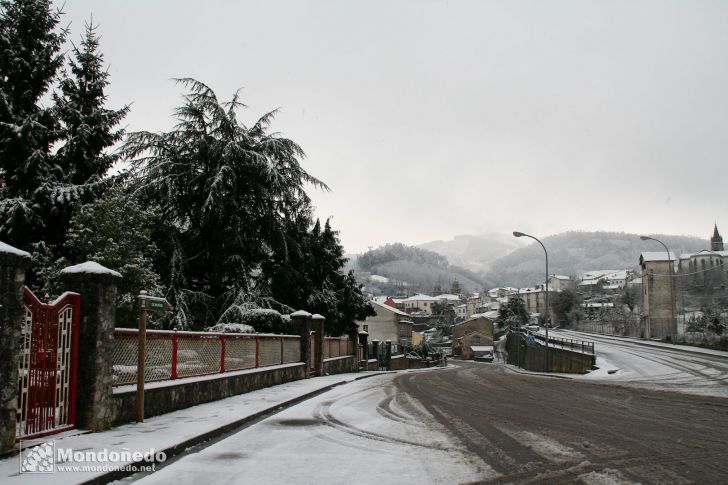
x=38, y=459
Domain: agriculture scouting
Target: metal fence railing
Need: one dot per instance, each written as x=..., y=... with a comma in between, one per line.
x=337, y=347
x=582, y=346
x=174, y=355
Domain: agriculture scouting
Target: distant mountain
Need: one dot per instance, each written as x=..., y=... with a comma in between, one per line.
x=475, y=252
x=400, y=269
x=574, y=252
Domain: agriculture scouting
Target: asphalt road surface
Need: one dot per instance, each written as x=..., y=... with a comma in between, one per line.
x=535, y=429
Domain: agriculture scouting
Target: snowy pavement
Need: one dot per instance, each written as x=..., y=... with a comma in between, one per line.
x=656, y=365
x=170, y=430
x=364, y=432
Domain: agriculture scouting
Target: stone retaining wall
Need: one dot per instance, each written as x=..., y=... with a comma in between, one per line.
x=165, y=397
x=340, y=365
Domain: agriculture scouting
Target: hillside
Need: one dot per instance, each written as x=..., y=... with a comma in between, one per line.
x=399, y=269
x=475, y=252
x=573, y=252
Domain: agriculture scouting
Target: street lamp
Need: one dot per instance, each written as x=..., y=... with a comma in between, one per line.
x=546, y=288
x=670, y=282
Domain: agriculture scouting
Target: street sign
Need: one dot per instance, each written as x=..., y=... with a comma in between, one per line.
x=154, y=304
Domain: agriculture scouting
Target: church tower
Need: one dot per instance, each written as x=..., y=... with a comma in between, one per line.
x=716, y=242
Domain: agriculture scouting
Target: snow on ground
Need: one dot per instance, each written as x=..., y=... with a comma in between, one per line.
x=162, y=432
x=363, y=432
x=656, y=365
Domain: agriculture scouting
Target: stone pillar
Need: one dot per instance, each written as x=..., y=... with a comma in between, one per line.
x=375, y=351
x=388, y=353
x=302, y=322
x=363, y=337
x=97, y=285
x=13, y=264
x=317, y=325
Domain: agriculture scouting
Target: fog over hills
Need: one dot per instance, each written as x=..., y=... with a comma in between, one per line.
x=490, y=260
x=475, y=252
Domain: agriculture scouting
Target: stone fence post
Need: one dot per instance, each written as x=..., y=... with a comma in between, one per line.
x=363, y=337
x=317, y=325
x=97, y=286
x=302, y=322
x=13, y=264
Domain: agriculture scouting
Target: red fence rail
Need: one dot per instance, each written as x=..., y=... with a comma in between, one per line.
x=175, y=355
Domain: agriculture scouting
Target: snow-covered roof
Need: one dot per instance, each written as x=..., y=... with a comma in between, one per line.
x=301, y=313
x=421, y=297
x=481, y=348
x=8, y=249
x=446, y=296
x=90, y=267
x=597, y=305
x=560, y=277
x=657, y=256
x=389, y=308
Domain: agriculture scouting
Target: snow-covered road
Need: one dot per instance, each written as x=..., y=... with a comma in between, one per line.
x=363, y=432
x=655, y=365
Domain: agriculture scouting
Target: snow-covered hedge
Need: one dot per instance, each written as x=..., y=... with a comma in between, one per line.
x=262, y=320
x=231, y=328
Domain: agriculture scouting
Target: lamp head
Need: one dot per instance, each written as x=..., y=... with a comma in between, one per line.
x=645, y=238
x=518, y=234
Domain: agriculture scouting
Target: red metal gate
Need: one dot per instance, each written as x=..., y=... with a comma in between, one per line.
x=48, y=366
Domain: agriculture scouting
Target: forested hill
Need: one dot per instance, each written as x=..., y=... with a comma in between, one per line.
x=409, y=269
x=573, y=252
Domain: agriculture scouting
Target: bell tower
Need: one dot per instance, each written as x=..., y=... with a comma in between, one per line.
x=716, y=242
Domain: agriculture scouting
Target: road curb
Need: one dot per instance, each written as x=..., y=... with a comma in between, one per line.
x=179, y=448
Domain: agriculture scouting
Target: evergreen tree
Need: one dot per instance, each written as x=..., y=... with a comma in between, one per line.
x=513, y=313
x=117, y=232
x=88, y=126
x=229, y=191
x=30, y=43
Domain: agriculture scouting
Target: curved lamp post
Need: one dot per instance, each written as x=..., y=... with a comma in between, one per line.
x=546, y=289
x=669, y=281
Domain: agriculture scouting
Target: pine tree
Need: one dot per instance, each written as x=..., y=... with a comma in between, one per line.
x=228, y=189
x=30, y=42
x=88, y=126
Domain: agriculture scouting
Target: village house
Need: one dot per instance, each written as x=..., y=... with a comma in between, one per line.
x=420, y=303
x=476, y=331
x=388, y=324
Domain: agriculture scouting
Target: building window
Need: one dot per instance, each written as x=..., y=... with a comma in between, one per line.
x=366, y=328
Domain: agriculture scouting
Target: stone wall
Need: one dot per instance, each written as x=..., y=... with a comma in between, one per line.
x=340, y=365
x=168, y=396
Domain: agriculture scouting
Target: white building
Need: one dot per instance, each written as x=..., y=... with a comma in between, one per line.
x=420, y=302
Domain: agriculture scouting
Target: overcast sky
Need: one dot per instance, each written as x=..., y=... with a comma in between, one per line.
x=430, y=119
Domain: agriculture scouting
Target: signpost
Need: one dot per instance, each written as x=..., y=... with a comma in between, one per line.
x=151, y=304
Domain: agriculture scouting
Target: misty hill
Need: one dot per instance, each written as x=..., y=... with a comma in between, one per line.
x=475, y=252
x=396, y=268
x=574, y=252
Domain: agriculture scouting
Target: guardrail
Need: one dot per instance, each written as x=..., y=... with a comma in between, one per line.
x=583, y=346
x=175, y=354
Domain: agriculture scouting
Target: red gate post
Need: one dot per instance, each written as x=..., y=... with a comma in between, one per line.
x=317, y=325
x=13, y=264
x=97, y=285
x=302, y=323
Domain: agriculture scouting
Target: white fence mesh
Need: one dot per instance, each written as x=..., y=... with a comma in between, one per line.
x=197, y=353
x=337, y=347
